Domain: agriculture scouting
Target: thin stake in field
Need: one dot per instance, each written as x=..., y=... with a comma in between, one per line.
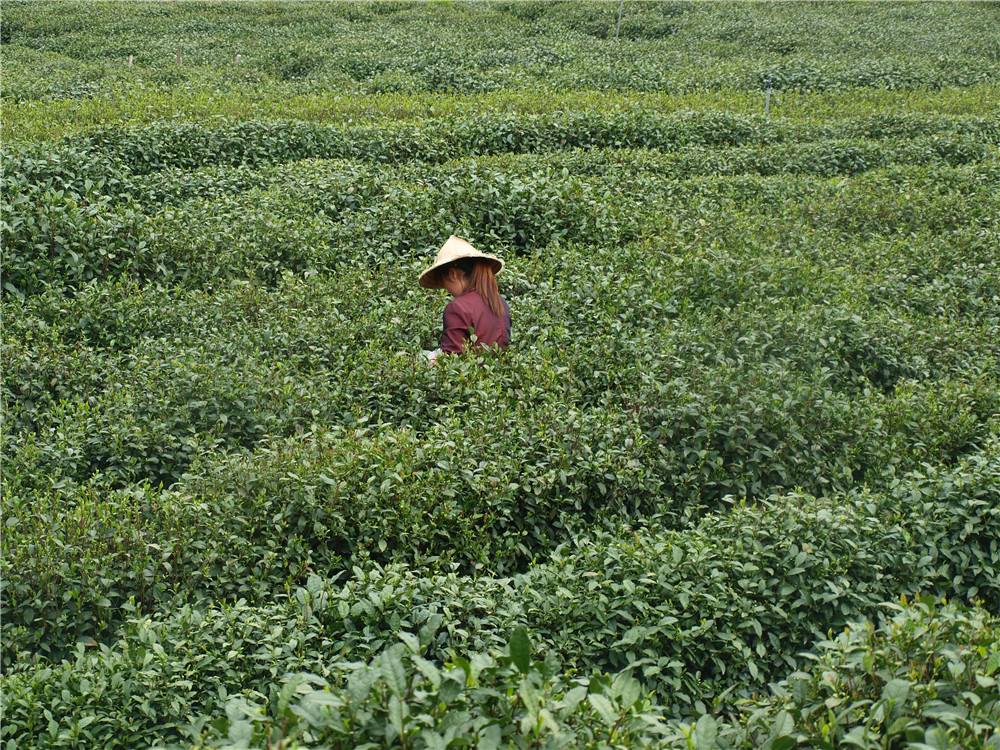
x=767, y=108
x=621, y=5
x=178, y=55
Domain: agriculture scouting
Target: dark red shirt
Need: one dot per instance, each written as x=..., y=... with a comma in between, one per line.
x=470, y=311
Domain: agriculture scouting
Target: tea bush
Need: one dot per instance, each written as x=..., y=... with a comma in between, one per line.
x=887, y=682
x=924, y=678
x=492, y=699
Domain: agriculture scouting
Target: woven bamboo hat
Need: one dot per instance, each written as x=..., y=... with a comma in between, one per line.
x=454, y=249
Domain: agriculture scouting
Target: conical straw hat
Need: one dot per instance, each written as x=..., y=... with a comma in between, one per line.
x=454, y=249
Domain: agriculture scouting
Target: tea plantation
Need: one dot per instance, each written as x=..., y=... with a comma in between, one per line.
x=735, y=483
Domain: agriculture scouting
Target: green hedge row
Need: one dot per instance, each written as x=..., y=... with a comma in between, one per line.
x=59, y=348
x=243, y=528
x=342, y=186
x=322, y=215
x=150, y=148
x=730, y=601
x=924, y=678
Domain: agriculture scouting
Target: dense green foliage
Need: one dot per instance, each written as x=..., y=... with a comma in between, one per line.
x=925, y=678
x=753, y=391
x=475, y=47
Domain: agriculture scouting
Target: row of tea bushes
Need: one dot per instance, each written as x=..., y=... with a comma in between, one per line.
x=69, y=348
x=222, y=223
x=926, y=677
x=771, y=250
x=84, y=552
x=731, y=601
x=150, y=148
x=607, y=74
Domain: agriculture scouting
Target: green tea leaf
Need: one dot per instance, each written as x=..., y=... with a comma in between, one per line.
x=520, y=649
x=604, y=708
x=394, y=672
x=705, y=731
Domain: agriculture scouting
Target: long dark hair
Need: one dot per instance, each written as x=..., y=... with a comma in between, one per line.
x=479, y=276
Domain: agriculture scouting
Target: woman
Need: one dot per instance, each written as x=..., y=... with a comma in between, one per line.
x=478, y=309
